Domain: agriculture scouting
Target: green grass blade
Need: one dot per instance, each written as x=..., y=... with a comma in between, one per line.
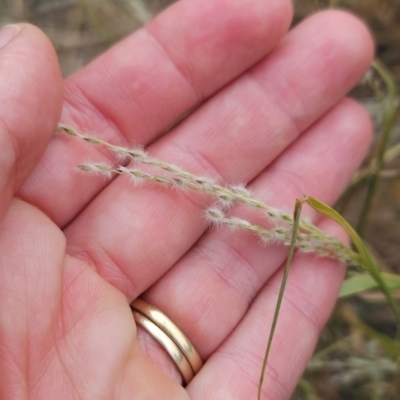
x=389, y=120
x=362, y=282
x=367, y=259
x=296, y=222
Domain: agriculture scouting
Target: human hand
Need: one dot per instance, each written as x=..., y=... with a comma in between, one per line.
x=76, y=250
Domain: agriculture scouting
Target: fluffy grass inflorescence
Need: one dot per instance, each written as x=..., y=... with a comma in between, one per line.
x=309, y=239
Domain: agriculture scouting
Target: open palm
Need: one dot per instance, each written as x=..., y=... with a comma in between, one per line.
x=77, y=249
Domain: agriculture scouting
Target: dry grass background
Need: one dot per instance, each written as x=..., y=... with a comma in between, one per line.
x=350, y=362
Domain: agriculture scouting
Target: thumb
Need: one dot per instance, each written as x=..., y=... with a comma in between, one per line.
x=30, y=104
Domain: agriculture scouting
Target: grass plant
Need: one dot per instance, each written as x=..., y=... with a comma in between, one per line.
x=309, y=238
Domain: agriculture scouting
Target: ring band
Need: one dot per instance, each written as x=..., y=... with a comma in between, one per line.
x=168, y=328
x=168, y=344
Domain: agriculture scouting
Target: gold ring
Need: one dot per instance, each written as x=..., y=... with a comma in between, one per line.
x=168, y=328
x=169, y=346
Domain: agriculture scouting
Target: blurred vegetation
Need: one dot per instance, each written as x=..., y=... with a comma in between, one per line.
x=358, y=356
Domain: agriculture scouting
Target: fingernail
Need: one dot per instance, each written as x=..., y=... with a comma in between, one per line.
x=7, y=33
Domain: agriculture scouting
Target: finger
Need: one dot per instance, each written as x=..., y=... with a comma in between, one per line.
x=141, y=86
x=30, y=101
x=134, y=235
x=222, y=274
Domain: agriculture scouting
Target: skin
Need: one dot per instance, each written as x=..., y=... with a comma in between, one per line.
x=77, y=249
